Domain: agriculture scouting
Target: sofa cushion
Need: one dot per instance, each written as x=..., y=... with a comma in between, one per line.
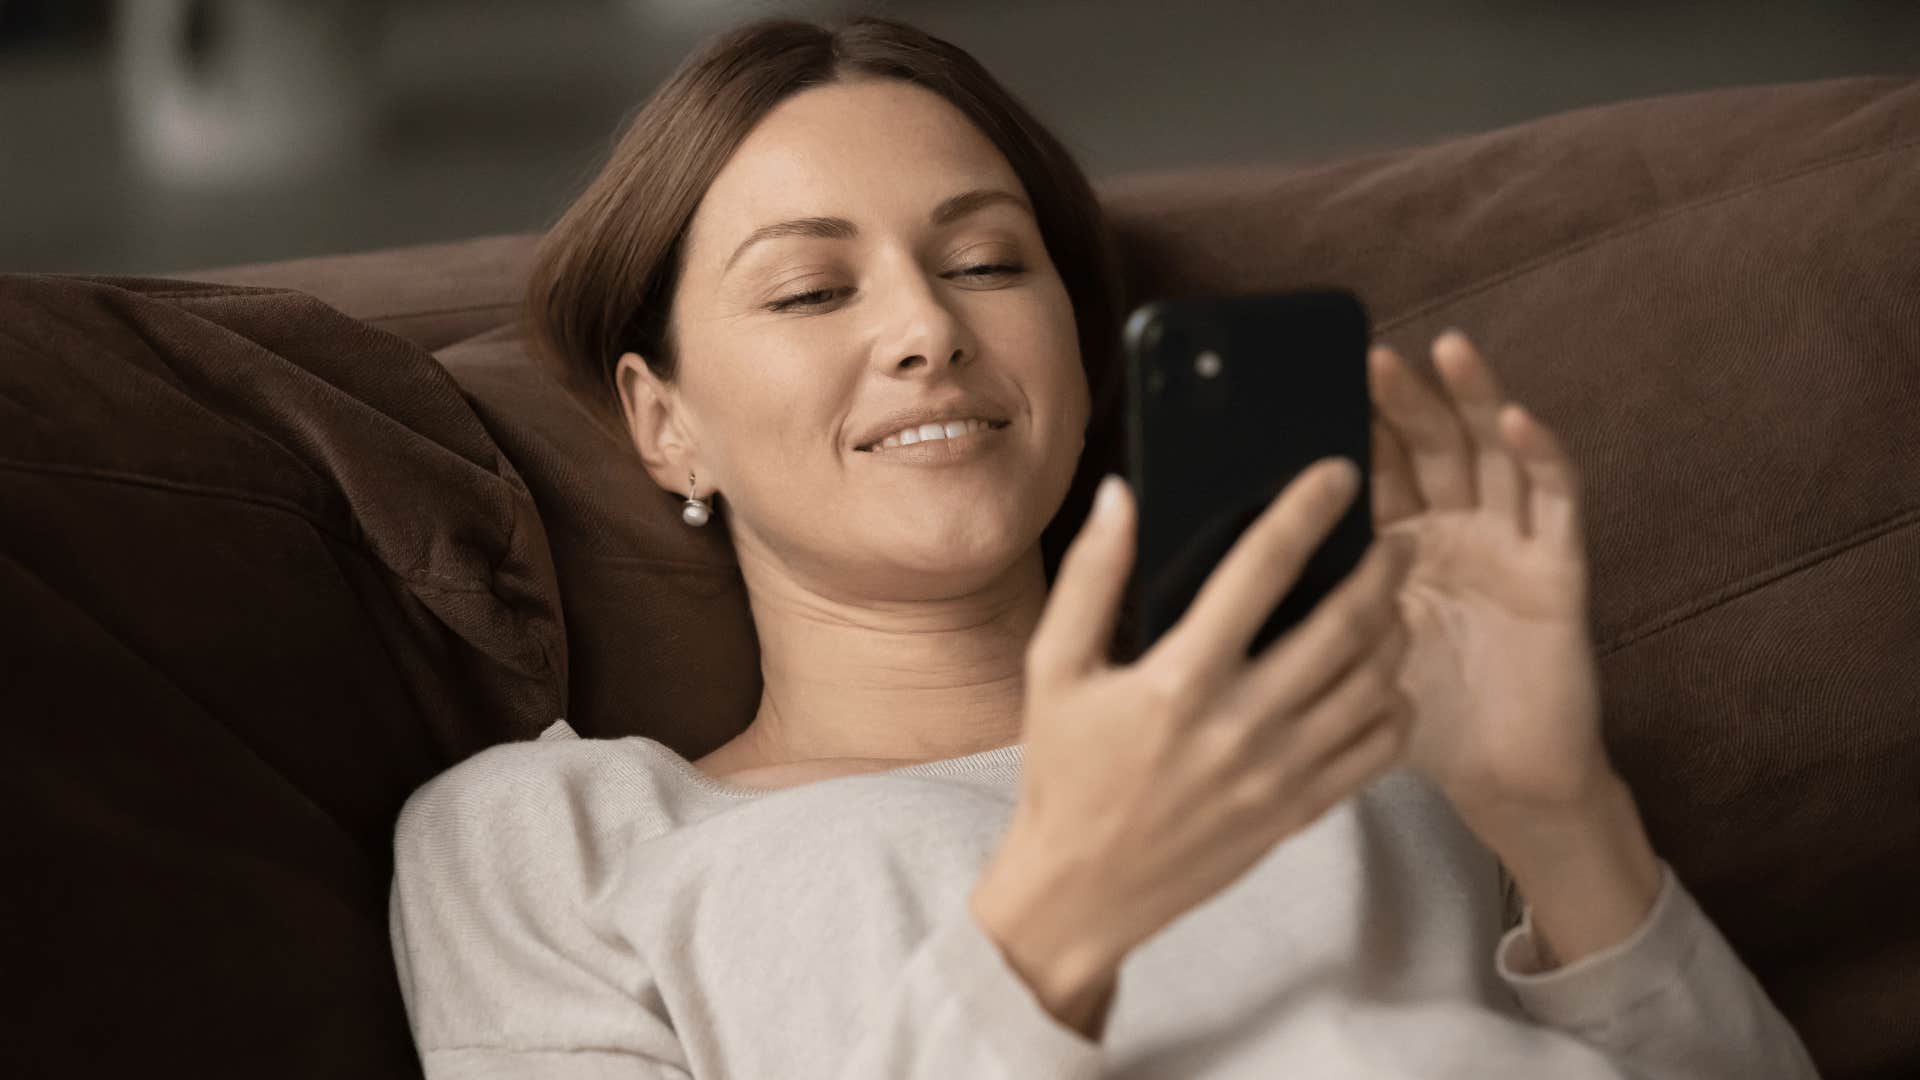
x=264, y=573
x=1710, y=297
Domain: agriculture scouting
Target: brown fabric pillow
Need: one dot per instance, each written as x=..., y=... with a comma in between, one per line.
x=1711, y=298
x=263, y=573
x=660, y=641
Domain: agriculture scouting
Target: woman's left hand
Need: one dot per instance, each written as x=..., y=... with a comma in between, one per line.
x=1499, y=666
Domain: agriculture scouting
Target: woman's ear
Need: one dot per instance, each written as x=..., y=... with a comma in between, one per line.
x=654, y=424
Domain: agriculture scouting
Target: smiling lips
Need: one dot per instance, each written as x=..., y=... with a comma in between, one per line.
x=951, y=429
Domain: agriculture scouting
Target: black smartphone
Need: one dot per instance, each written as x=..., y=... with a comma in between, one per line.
x=1228, y=399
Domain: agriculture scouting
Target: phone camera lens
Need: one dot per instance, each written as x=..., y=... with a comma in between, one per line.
x=1207, y=364
x=1151, y=334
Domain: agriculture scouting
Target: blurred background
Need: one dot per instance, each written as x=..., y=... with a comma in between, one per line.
x=160, y=136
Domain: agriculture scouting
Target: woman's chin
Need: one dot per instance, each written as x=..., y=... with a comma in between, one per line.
x=959, y=559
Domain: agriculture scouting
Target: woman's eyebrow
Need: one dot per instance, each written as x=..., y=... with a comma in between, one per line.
x=837, y=228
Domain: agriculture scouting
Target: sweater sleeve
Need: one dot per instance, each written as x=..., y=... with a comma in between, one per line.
x=961, y=1010
x=1670, y=1000
x=504, y=976
x=497, y=977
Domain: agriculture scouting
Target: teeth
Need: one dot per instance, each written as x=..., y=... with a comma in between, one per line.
x=949, y=430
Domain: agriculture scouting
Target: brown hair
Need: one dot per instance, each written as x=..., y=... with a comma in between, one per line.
x=604, y=276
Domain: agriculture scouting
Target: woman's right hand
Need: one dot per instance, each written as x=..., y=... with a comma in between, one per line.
x=1149, y=787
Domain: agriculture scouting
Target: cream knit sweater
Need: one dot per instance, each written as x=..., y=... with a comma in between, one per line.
x=572, y=908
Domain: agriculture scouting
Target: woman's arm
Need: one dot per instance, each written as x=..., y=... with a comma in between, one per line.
x=1590, y=875
x=1613, y=949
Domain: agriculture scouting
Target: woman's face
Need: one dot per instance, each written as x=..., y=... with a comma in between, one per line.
x=865, y=253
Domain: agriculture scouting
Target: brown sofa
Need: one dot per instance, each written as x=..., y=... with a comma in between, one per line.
x=266, y=565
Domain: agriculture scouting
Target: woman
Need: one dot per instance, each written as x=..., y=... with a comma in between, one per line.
x=842, y=278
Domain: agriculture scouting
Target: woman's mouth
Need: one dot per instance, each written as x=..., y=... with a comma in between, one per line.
x=956, y=440
x=920, y=433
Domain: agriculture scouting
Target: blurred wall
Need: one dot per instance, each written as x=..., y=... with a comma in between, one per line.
x=159, y=136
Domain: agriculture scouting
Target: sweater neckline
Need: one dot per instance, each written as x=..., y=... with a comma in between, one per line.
x=983, y=762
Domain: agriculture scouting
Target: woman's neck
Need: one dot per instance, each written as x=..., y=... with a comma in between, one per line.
x=887, y=683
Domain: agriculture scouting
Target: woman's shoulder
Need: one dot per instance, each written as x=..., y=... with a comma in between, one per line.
x=558, y=781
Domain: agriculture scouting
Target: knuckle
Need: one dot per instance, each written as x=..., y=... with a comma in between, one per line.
x=1250, y=794
x=1238, y=740
x=1170, y=688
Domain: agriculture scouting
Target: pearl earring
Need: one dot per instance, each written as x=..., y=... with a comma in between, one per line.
x=695, y=512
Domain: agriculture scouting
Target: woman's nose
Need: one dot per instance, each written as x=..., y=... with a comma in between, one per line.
x=918, y=360
x=922, y=329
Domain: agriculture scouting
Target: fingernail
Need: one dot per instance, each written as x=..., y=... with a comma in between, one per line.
x=1346, y=473
x=1106, y=498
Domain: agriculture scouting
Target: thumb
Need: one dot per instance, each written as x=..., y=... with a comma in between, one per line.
x=1087, y=590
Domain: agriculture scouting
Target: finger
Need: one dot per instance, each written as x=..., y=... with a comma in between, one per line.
x=1395, y=495
x=1084, y=603
x=1343, y=719
x=1553, y=504
x=1263, y=564
x=1373, y=749
x=1350, y=625
x=1427, y=427
x=1499, y=484
x=1365, y=693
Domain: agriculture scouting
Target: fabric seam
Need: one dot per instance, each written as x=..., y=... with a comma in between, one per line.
x=1760, y=579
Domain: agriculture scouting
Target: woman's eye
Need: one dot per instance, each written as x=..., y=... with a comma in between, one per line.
x=810, y=298
x=815, y=298
x=990, y=269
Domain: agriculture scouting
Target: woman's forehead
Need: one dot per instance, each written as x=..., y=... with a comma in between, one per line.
x=868, y=120
x=864, y=150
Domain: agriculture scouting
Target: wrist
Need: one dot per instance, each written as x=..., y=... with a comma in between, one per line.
x=1588, y=871
x=1603, y=810
x=1049, y=935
